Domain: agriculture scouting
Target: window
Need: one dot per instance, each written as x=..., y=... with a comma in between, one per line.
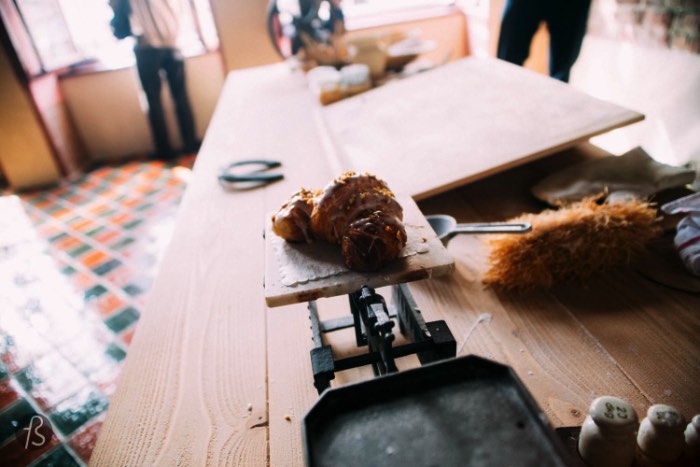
x=282, y=27
x=65, y=33
x=354, y=8
x=357, y=8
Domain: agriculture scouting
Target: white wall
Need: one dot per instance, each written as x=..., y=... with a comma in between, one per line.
x=661, y=83
x=109, y=109
x=107, y=114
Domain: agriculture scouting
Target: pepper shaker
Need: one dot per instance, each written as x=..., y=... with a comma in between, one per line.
x=660, y=436
x=607, y=435
x=692, y=439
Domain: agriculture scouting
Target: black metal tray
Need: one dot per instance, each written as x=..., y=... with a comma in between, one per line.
x=466, y=411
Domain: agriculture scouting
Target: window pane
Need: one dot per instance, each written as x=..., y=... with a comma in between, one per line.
x=369, y=7
x=52, y=38
x=21, y=41
x=206, y=23
x=67, y=32
x=88, y=21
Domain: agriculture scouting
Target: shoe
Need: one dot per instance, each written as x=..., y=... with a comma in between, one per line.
x=192, y=148
x=165, y=157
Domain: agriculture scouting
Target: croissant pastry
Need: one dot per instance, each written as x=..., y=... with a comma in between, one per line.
x=293, y=221
x=373, y=241
x=349, y=197
x=357, y=212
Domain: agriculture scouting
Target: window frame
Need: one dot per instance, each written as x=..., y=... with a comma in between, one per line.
x=24, y=41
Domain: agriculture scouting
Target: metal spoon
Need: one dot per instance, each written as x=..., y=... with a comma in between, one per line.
x=447, y=227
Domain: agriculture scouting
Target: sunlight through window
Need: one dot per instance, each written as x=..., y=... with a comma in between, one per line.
x=66, y=33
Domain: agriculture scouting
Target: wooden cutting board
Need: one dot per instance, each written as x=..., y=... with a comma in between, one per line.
x=462, y=122
x=283, y=287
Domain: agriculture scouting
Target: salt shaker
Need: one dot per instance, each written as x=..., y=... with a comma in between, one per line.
x=607, y=435
x=660, y=436
x=692, y=438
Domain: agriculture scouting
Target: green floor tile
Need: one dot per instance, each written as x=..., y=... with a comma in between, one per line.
x=104, y=268
x=58, y=237
x=68, y=270
x=12, y=416
x=57, y=457
x=132, y=224
x=115, y=352
x=79, y=250
x=77, y=410
x=93, y=232
x=122, y=320
x=133, y=290
x=152, y=192
x=108, y=213
x=27, y=379
x=94, y=292
x=122, y=243
x=143, y=207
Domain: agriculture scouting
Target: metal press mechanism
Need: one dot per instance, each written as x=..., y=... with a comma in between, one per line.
x=374, y=327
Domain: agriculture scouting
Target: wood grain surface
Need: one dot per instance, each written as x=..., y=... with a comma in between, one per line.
x=617, y=333
x=213, y=377
x=194, y=388
x=462, y=122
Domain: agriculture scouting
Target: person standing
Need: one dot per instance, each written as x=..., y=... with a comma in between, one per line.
x=156, y=28
x=566, y=22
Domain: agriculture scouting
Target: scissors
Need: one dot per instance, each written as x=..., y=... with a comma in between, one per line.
x=237, y=179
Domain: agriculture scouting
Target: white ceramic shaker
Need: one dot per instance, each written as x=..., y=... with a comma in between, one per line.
x=607, y=435
x=692, y=439
x=660, y=436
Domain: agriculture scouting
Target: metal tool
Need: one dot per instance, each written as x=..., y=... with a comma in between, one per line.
x=447, y=227
x=372, y=320
x=232, y=176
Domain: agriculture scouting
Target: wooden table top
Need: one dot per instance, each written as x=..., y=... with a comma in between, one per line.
x=214, y=377
x=490, y=116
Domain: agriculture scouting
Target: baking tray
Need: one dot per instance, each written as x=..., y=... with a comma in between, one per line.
x=467, y=411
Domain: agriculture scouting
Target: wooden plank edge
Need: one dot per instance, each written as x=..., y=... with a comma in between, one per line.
x=298, y=295
x=633, y=117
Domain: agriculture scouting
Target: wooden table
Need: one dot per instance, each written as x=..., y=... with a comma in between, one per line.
x=214, y=377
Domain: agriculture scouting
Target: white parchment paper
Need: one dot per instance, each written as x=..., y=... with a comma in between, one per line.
x=300, y=263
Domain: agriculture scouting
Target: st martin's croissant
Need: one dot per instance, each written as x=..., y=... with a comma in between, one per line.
x=356, y=211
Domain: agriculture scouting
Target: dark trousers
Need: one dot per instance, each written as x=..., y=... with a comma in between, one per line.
x=149, y=63
x=566, y=22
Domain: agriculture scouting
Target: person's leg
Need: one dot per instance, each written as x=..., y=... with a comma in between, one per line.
x=148, y=65
x=566, y=22
x=521, y=18
x=174, y=66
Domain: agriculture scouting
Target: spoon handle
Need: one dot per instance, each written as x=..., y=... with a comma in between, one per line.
x=493, y=227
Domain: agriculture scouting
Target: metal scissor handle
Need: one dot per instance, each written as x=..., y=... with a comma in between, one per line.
x=225, y=174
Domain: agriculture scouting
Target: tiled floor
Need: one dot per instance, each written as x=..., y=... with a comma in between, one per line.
x=76, y=263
